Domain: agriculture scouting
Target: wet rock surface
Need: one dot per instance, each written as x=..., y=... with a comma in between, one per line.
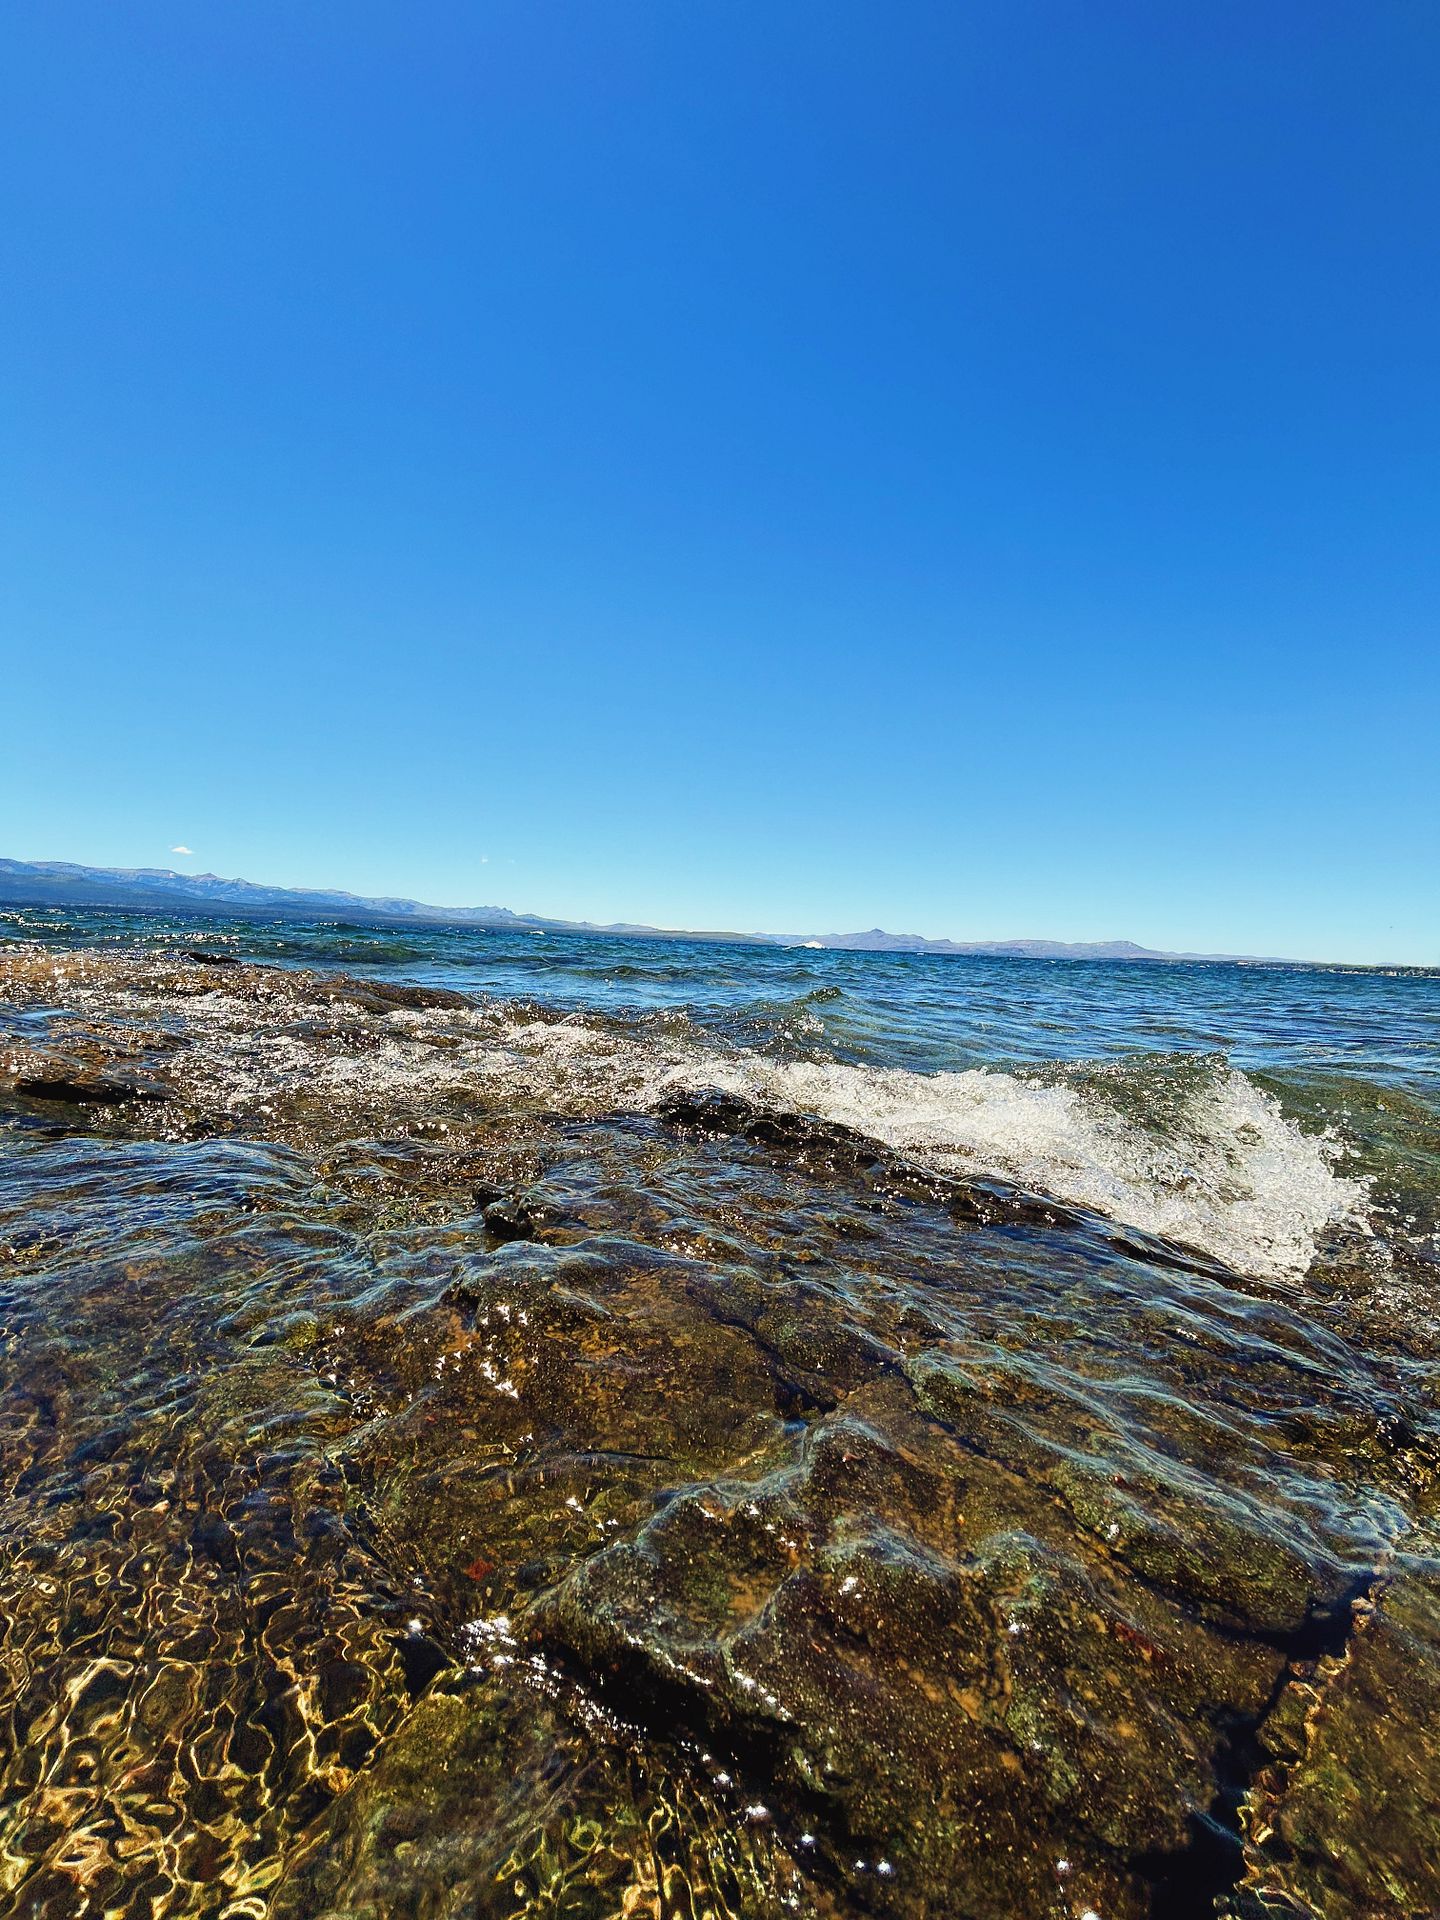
x=418, y=1498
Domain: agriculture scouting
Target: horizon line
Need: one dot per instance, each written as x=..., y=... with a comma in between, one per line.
x=387, y=908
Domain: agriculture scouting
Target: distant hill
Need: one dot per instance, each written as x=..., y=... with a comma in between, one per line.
x=157, y=889
x=59, y=883
x=878, y=941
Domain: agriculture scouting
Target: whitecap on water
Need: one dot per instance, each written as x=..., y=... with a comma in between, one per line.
x=1227, y=1172
x=1197, y=1154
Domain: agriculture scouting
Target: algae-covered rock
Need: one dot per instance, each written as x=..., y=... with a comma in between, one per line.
x=418, y=1500
x=1345, y=1817
x=949, y=1691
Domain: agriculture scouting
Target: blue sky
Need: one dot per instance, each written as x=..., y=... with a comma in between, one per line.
x=968, y=469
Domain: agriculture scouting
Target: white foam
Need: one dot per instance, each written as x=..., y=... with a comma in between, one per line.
x=1214, y=1164
x=1228, y=1173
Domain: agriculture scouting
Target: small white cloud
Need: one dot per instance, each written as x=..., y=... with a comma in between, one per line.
x=181, y=850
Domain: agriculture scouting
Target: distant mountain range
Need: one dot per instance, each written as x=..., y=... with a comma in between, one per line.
x=58, y=883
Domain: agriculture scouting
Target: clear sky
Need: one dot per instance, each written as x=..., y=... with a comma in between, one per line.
x=967, y=468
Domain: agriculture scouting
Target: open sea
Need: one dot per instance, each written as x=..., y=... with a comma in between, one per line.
x=516, y=1424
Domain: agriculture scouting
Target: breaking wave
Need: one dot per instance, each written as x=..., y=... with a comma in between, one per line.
x=1182, y=1146
x=1188, y=1149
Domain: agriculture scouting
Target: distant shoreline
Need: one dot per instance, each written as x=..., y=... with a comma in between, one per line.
x=63, y=884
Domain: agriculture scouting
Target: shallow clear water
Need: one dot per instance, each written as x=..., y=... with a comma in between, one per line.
x=493, y=1424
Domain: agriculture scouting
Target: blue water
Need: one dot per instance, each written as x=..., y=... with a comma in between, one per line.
x=924, y=1012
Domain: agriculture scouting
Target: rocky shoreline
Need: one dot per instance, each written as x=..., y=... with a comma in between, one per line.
x=419, y=1498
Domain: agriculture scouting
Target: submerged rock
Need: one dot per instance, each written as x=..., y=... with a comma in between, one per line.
x=418, y=1500
x=85, y=1070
